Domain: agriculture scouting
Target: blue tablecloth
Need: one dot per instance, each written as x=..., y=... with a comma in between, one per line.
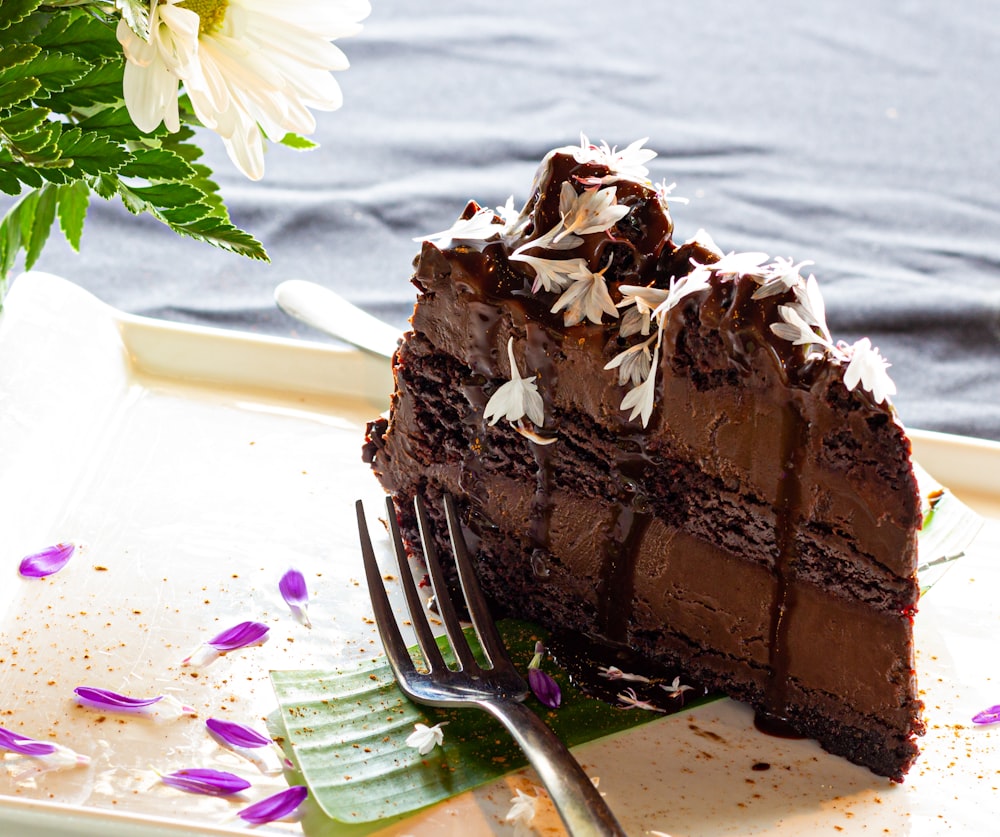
x=862, y=136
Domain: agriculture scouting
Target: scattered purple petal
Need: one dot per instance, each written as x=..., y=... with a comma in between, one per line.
x=24, y=746
x=254, y=746
x=46, y=562
x=210, y=782
x=47, y=755
x=239, y=636
x=987, y=716
x=237, y=735
x=292, y=587
x=164, y=707
x=545, y=688
x=275, y=807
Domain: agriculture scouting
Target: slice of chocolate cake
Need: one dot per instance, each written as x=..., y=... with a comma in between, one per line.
x=662, y=447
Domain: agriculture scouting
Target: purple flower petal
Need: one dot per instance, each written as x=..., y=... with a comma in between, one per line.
x=237, y=735
x=987, y=716
x=24, y=746
x=211, y=782
x=293, y=588
x=239, y=636
x=275, y=807
x=46, y=562
x=166, y=706
x=104, y=699
x=545, y=688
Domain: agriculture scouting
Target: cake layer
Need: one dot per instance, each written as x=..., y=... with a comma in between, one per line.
x=735, y=427
x=689, y=605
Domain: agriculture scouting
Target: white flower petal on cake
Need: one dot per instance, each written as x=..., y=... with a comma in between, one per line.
x=868, y=367
x=587, y=298
x=517, y=398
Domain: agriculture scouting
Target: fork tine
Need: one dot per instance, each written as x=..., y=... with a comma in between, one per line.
x=489, y=636
x=392, y=639
x=414, y=603
x=445, y=606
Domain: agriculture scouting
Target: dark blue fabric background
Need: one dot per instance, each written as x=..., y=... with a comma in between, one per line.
x=861, y=135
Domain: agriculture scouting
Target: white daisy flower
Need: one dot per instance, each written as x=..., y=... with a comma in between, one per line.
x=258, y=67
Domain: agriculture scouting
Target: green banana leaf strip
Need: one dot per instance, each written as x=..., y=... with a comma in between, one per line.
x=347, y=733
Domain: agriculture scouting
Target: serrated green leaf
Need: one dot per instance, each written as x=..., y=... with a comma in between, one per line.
x=91, y=153
x=14, y=175
x=24, y=122
x=166, y=195
x=13, y=56
x=158, y=164
x=347, y=731
x=115, y=123
x=299, y=143
x=136, y=14
x=100, y=85
x=14, y=222
x=17, y=90
x=224, y=235
x=34, y=238
x=73, y=201
x=40, y=149
x=80, y=33
x=12, y=11
x=55, y=71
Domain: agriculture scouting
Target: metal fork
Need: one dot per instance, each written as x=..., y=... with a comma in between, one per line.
x=497, y=688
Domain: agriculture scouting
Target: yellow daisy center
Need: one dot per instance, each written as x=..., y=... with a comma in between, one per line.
x=210, y=13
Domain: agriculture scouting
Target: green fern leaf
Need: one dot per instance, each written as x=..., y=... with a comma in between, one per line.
x=74, y=199
x=14, y=11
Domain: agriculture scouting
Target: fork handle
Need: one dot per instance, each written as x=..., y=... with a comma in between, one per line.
x=584, y=812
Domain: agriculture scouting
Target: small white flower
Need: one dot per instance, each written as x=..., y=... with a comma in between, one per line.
x=522, y=811
x=590, y=211
x=868, y=367
x=587, y=298
x=640, y=399
x=780, y=276
x=812, y=307
x=646, y=301
x=675, y=689
x=630, y=700
x=633, y=364
x=615, y=673
x=793, y=327
x=517, y=398
x=551, y=274
x=425, y=738
x=665, y=190
x=736, y=264
x=696, y=280
x=480, y=227
x=627, y=164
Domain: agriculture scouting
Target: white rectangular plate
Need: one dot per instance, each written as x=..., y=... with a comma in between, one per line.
x=194, y=466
